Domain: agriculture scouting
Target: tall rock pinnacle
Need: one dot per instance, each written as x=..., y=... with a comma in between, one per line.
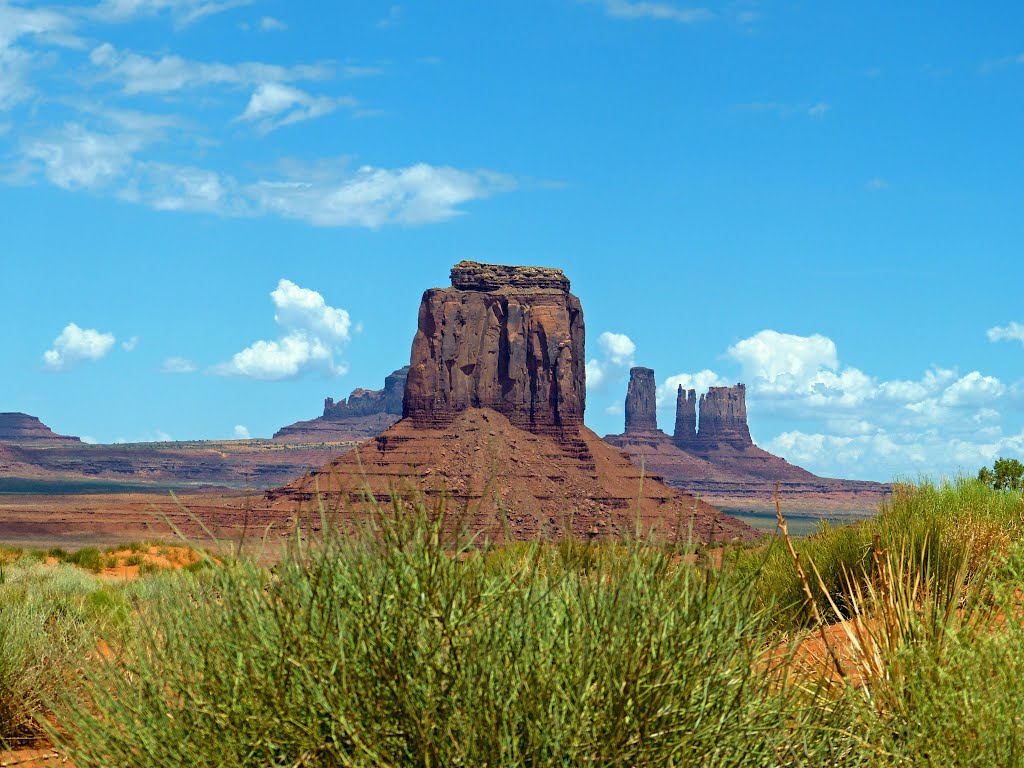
x=723, y=420
x=641, y=401
x=686, y=415
x=502, y=337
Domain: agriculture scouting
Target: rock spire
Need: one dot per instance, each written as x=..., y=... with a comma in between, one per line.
x=641, y=401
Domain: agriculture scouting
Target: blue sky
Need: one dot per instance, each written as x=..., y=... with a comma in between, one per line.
x=218, y=212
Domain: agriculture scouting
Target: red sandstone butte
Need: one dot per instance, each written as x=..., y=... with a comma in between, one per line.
x=506, y=338
x=493, y=423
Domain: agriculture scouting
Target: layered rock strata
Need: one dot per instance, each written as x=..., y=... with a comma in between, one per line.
x=641, y=401
x=506, y=338
x=25, y=429
x=366, y=412
x=723, y=419
x=686, y=416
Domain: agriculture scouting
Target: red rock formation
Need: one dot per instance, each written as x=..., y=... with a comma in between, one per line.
x=641, y=401
x=686, y=416
x=366, y=413
x=507, y=338
x=22, y=428
x=723, y=416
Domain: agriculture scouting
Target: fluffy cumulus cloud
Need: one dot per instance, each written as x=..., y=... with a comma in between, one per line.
x=241, y=432
x=855, y=424
x=617, y=351
x=313, y=336
x=1011, y=332
x=76, y=345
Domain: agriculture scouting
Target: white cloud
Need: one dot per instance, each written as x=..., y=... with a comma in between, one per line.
x=75, y=345
x=877, y=184
x=77, y=158
x=184, y=12
x=617, y=351
x=973, y=390
x=372, y=197
x=273, y=105
x=241, y=432
x=141, y=74
x=270, y=24
x=819, y=109
x=178, y=365
x=1013, y=331
x=618, y=348
x=129, y=345
x=635, y=9
x=315, y=333
x=699, y=381
x=323, y=194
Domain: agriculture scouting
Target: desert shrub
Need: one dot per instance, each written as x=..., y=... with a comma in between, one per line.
x=88, y=558
x=401, y=646
x=49, y=620
x=942, y=525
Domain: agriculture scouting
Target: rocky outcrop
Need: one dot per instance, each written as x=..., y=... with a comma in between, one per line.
x=22, y=428
x=367, y=402
x=366, y=412
x=502, y=337
x=641, y=401
x=723, y=418
x=686, y=416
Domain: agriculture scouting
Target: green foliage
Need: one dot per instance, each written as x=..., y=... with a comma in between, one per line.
x=88, y=558
x=403, y=647
x=1005, y=475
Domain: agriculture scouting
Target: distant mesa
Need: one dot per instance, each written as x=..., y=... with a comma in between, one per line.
x=23, y=429
x=493, y=421
x=366, y=413
x=715, y=456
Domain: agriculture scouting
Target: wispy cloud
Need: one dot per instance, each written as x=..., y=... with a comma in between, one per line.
x=877, y=184
x=183, y=12
x=394, y=16
x=178, y=365
x=1012, y=331
x=992, y=65
x=816, y=109
x=270, y=24
x=273, y=105
x=141, y=74
x=635, y=9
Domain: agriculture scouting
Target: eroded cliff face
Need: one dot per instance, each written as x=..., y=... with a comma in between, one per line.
x=367, y=402
x=641, y=401
x=723, y=416
x=502, y=337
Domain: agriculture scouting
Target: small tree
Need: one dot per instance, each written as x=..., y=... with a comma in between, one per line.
x=1005, y=475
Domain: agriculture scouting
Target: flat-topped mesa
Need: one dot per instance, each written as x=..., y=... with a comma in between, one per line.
x=503, y=337
x=686, y=415
x=641, y=401
x=367, y=402
x=22, y=428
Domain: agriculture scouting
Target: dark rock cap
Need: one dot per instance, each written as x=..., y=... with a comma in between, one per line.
x=474, y=276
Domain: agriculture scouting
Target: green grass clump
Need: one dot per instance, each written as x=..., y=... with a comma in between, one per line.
x=400, y=646
x=947, y=523
x=49, y=620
